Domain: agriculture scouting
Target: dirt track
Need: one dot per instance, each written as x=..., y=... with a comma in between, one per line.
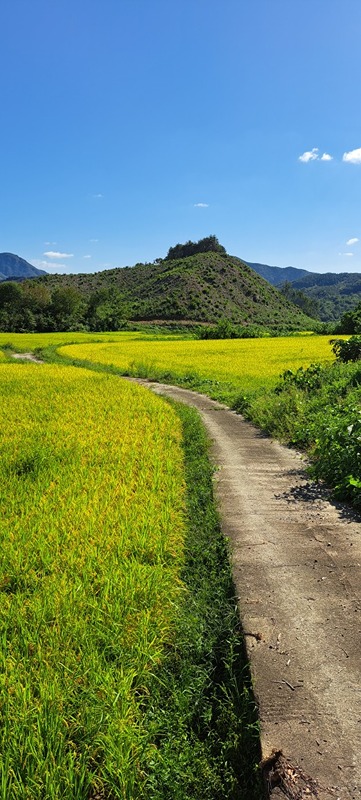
x=296, y=564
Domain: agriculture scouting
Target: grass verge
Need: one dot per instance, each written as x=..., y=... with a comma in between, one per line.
x=201, y=711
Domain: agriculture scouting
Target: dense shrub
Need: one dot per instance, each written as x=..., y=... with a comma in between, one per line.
x=349, y=350
x=318, y=409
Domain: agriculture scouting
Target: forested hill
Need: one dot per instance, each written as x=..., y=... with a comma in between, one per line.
x=334, y=293
x=204, y=287
x=330, y=294
x=278, y=275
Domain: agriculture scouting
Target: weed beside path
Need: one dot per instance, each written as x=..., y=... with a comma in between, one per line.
x=202, y=708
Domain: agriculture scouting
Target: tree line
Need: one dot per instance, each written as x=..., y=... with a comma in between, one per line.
x=32, y=307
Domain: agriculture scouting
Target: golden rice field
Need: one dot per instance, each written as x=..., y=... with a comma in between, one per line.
x=236, y=365
x=30, y=341
x=22, y=342
x=92, y=526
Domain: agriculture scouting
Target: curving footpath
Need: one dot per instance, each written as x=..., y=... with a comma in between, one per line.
x=296, y=564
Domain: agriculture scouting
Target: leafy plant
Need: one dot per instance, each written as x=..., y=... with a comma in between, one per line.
x=347, y=349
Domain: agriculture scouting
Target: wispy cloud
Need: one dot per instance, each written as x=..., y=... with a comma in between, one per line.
x=86, y=256
x=55, y=254
x=352, y=241
x=314, y=155
x=97, y=195
x=201, y=205
x=93, y=240
x=346, y=254
x=309, y=155
x=47, y=244
x=353, y=156
x=40, y=264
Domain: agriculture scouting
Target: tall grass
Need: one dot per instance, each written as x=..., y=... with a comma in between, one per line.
x=92, y=532
x=122, y=671
x=202, y=709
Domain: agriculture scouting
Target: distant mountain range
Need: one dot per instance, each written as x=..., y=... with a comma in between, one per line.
x=278, y=275
x=12, y=266
x=334, y=293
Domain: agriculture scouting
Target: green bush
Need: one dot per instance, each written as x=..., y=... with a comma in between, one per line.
x=349, y=350
x=318, y=409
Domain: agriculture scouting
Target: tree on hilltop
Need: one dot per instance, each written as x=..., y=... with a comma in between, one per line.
x=206, y=245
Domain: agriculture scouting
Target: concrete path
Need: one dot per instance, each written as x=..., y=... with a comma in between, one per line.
x=296, y=564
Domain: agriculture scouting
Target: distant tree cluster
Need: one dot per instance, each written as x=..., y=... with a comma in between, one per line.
x=350, y=322
x=308, y=305
x=30, y=306
x=209, y=244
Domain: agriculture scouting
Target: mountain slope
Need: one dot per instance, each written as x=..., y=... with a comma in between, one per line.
x=12, y=266
x=203, y=287
x=278, y=275
x=335, y=293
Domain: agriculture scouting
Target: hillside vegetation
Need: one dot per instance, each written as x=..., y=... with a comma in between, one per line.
x=201, y=287
x=325, y=295
x=278, y=275
x=334, y=293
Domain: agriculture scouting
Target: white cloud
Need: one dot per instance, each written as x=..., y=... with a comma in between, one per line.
x=201, y=205
x=353, y=156
x=86, y=256
x=49, y=243
x=313, y=155
x=37, y=262
x=309, y=155
x=54, y=254
x=352, y=241
x=97, y=195
x=93, y=240
x=346, y=254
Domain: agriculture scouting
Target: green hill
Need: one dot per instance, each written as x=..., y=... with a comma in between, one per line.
x=278, y=275
x=204, y=287
x=332, y=293
x=335, y=293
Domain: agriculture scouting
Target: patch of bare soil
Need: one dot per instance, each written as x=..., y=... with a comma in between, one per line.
x=296, y=561
x=26, y=357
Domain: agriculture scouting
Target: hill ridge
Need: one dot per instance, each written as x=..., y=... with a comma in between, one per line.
x=13, y=266
x=204, y=287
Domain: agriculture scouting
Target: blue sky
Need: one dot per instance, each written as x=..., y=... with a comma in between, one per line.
x=130, y=125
